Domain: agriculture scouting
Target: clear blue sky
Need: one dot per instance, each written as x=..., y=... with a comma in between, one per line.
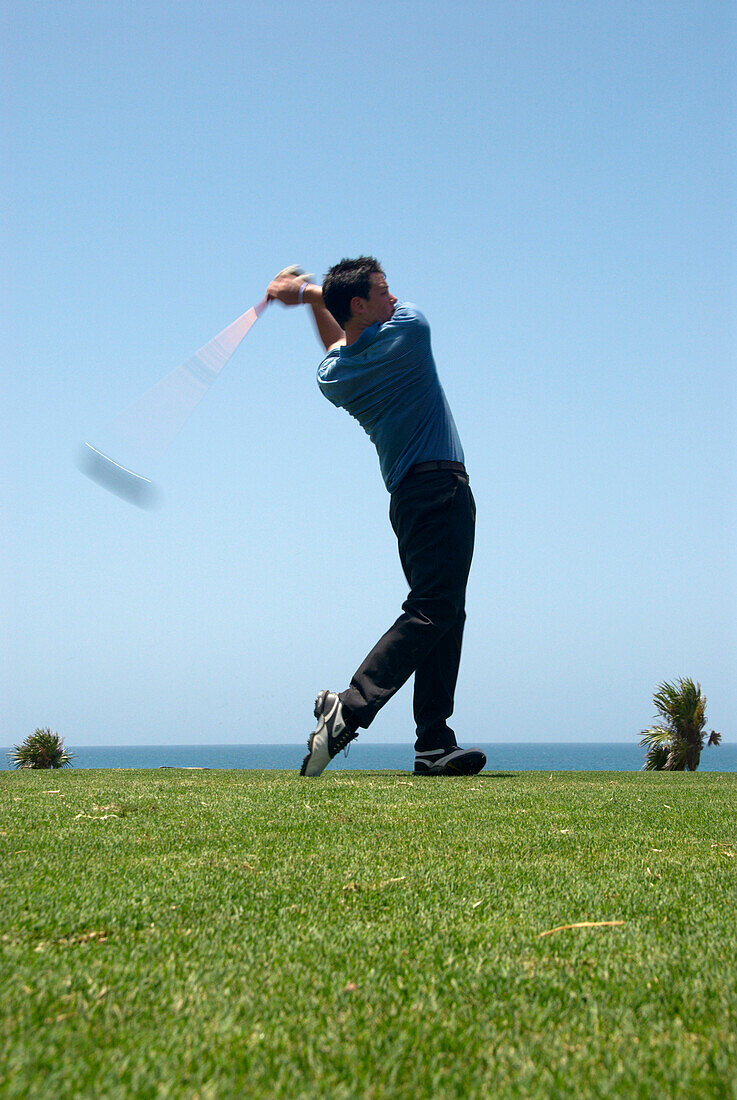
x=552, y=183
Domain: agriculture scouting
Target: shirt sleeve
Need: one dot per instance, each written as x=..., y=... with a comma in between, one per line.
x=407, y=330
x=407, y=314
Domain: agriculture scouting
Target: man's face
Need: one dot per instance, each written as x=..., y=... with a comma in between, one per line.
x=379, y=306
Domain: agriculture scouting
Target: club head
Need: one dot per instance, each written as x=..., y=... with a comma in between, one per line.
x=295, y=269
x=117, y=479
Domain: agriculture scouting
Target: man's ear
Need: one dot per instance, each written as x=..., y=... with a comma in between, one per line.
x=357, y=305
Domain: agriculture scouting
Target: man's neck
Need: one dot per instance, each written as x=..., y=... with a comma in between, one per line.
x=355, y=328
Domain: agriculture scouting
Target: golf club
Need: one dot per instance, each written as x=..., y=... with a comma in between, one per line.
x=139, y=435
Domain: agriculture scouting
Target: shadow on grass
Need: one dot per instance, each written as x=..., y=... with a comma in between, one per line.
x=479, y=775
x=395, y=773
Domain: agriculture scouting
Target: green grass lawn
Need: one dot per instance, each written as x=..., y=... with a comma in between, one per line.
x=368, y=934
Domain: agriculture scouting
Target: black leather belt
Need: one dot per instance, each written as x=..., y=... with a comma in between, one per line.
x=431, y=467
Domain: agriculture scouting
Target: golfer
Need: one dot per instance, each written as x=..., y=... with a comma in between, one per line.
x=379, y=367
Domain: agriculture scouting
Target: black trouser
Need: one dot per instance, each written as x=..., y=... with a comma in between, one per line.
x=433, y=516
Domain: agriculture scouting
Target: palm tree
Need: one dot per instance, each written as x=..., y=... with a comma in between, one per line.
x=41, y=749
x=676, y=745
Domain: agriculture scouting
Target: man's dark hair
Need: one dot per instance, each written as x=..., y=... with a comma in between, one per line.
x=346, y=280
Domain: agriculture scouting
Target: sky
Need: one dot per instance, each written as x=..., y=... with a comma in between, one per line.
x=551, y=182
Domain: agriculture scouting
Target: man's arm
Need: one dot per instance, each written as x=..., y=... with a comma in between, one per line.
x=328, y=329
x=292, y=290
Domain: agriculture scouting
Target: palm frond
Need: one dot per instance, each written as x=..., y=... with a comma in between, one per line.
x=41, y=749
x=657, y=740
x=656, y=735
x=677, y=744
x=682, y=706
x=655, y=759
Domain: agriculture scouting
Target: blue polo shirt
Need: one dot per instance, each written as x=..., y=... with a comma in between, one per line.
x=388, y=381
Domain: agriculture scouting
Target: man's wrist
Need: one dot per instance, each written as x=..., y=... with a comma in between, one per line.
x=310, y=294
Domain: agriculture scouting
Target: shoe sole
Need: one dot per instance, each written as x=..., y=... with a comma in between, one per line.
x=318, y=713
x=305, y=762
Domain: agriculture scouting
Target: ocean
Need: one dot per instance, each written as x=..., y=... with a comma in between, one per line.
x=521, y=757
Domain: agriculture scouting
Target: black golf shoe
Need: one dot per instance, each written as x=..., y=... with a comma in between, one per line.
x=449, y=761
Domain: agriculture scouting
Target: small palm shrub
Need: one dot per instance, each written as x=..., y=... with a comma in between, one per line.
x=677, y=743
x=41, y=749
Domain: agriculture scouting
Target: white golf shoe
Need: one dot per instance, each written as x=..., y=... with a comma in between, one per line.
x=332, y=734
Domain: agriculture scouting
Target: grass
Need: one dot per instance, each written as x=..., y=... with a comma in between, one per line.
x=234, y=933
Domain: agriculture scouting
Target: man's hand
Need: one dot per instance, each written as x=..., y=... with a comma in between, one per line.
x=285, y=286
x=292, y=287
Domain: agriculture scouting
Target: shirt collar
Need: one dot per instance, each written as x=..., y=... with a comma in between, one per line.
x=367, y=337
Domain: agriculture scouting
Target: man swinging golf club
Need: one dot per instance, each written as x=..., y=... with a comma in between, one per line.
x=379, y=367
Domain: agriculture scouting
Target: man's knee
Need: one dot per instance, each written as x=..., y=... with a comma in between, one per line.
x=437, y=612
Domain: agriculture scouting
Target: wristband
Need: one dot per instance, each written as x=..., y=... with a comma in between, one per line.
x=301, y=293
